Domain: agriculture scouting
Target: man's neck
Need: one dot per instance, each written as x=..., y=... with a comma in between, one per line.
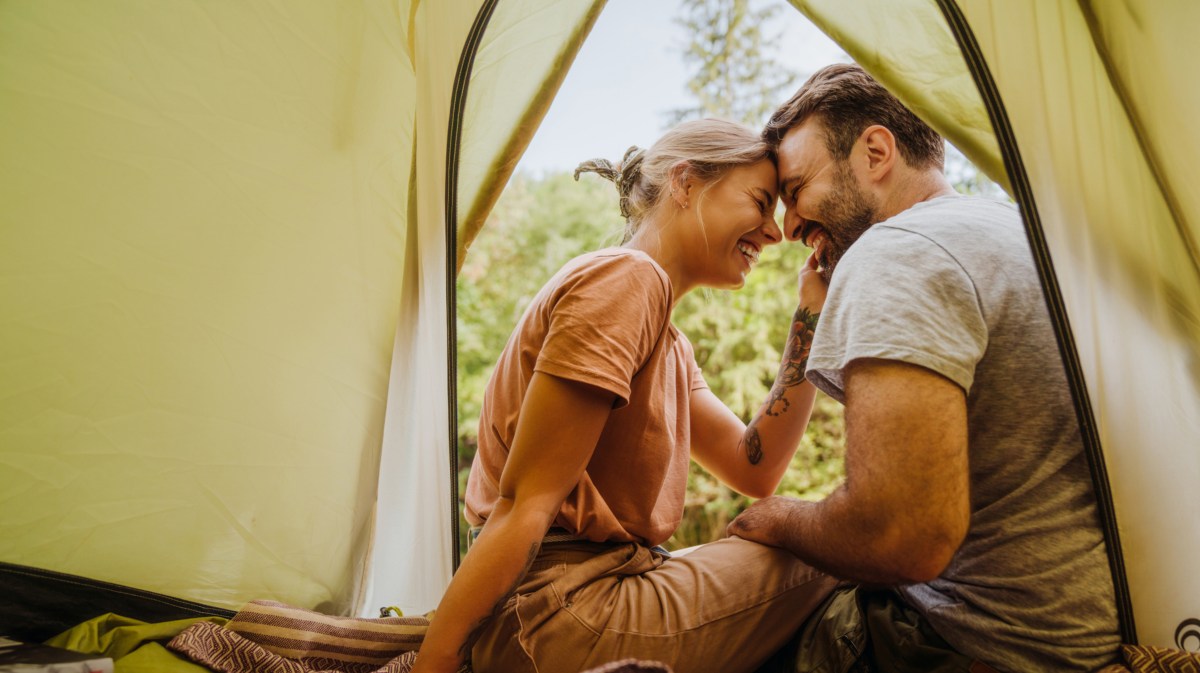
x=916, y=187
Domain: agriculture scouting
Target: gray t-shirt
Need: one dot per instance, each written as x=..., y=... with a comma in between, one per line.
x=950, y=285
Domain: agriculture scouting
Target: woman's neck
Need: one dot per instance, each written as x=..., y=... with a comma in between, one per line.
x=653, y=238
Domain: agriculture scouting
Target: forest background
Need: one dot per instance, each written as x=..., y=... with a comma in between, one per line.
x=543, y=220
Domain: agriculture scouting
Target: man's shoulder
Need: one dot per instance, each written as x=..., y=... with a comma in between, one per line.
x=976, y=233
x=957, y=217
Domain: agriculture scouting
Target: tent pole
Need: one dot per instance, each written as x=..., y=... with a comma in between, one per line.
x=458, y=103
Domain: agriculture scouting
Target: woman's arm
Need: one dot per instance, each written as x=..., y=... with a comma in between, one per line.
x=752, y=458
x=559, y=425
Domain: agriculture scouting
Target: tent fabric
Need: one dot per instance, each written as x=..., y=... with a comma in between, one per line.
x=36, y=604
x=521, y=59
x=1094, y=92
x=225, y=267
x=201, y=248
x=225, y=287
x=410, y=559
x=1117, y=224
x=133, y=645
x=907, y=46
x=524, y=55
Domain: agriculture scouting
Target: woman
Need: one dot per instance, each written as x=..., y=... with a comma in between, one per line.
x=588, y=424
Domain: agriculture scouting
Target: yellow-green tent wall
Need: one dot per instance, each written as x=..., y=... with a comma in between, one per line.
x=225, y=255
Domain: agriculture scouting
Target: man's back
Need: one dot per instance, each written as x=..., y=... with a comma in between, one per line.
x=950, y=285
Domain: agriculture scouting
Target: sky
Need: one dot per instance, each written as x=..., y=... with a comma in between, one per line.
x=630, y=73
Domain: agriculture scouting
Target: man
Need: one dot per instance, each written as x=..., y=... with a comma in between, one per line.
x=967, y=488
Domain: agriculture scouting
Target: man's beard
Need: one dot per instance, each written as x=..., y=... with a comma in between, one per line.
x=846, y=214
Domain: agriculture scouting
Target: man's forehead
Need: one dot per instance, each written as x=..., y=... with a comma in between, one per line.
x=804, y=142
x=800, y=149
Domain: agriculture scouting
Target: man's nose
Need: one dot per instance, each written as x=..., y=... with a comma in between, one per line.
x=793, y=224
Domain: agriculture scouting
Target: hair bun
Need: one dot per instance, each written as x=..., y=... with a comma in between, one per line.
x=624, y=175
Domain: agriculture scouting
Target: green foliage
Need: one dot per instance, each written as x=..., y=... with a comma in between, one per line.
x=968, y=179
x=734, y=77
x=537, y=226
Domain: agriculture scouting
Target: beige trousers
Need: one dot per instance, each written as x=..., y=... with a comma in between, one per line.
x=725, y=607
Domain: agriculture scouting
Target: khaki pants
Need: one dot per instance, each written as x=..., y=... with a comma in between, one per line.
x=725, y=607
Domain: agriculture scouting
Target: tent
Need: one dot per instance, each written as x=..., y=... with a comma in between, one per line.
x=229, y=232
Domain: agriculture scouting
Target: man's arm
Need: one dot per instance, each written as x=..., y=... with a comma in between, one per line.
x=904, y=508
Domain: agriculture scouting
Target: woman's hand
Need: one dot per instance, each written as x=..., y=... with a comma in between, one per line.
x=558, y=427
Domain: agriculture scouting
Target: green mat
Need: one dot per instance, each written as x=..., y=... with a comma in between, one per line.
x=134, y=646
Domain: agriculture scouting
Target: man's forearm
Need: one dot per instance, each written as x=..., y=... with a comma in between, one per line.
x=830, y=538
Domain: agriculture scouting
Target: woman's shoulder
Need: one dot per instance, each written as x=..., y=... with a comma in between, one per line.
x=622, y=267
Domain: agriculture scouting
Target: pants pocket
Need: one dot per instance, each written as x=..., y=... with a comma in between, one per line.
x=834, y=639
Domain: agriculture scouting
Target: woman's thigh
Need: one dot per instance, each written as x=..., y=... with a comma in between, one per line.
x=726, y=606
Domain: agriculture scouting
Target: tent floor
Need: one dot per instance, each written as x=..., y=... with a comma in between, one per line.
x=36, y=604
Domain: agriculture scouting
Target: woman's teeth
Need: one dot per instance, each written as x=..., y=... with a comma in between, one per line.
x=749, y=251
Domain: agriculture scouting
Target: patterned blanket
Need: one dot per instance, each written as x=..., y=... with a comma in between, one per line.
x=269, y=637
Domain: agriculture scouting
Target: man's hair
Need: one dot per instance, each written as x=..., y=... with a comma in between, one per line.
x=847, y=100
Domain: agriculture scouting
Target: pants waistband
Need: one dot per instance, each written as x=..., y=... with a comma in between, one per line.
x=555, y=534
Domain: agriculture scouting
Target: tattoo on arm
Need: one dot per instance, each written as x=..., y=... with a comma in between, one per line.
x=795, y=359
x=777, y=404
x=791, y=374
x=753, y=444
x=477, y=628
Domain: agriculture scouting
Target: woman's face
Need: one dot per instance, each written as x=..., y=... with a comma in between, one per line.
x=735, y=221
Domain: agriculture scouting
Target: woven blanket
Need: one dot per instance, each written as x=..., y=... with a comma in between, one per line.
x=1149, y=659
x=276, y=638
x=269, y=637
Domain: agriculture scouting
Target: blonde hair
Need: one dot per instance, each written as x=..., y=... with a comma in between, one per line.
x=708, y=149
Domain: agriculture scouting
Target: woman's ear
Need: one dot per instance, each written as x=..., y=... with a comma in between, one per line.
x=681, y=182
x=879, y=150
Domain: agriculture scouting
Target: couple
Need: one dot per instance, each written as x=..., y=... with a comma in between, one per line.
x=966, y=535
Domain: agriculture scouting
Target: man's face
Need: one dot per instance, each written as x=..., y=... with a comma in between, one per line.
x=827, y=207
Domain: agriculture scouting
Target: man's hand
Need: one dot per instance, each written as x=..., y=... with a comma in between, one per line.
x=766, y=521
x=904, y=507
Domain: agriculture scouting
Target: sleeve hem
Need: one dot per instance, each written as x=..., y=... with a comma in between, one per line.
x=592, y=378
x=962, y=376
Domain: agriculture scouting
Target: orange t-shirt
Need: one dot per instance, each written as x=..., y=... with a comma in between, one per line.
x=603, y=319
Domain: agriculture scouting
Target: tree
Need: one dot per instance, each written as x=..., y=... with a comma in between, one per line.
x=735, y=77
x=540, y=224
x=535, y=228
x=738, y=335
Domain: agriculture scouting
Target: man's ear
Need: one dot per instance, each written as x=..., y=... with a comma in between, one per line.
x=880, y=153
